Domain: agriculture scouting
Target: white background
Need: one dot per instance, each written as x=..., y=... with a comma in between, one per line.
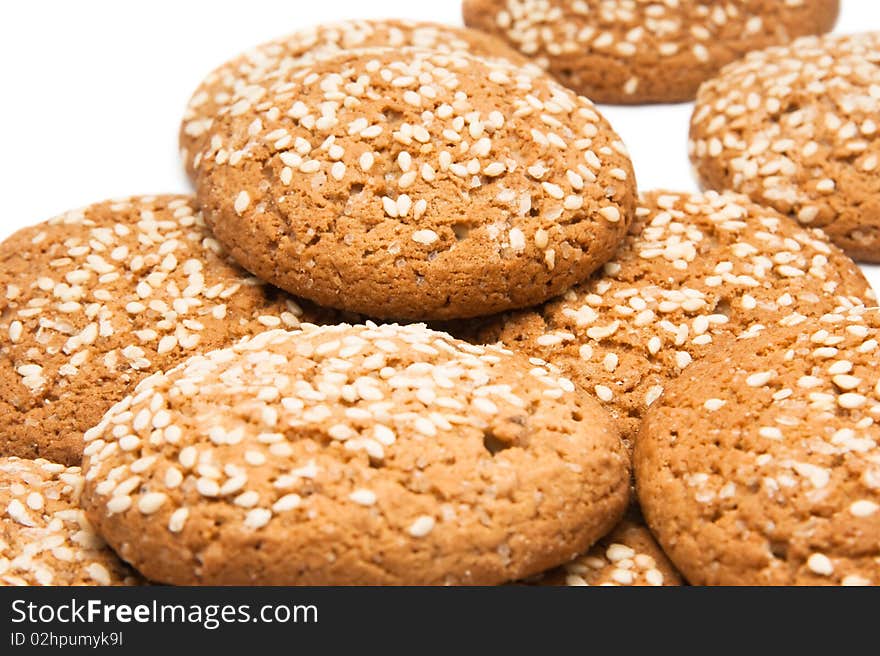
x=92, y=92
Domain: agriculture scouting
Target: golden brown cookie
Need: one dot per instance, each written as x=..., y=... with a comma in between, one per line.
x=45, y=538
x=345, y=455
x=642, y=51
x=242, y=79
x=415, y=185
x=95, y=300
x=795, y=128
x=760, y=465
x=628, y=556
x=696, y=269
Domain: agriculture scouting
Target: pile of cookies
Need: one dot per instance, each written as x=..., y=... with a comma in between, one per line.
x=417, y=326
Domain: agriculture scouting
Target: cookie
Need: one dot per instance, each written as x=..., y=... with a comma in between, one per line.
x=795, y=128
x=628, y=556
x=695, y=270
x=415, y=185
x=95, y=300
x=240, y=80
x=760, y=465
x=343, y=455
x=642, y=51
x=45, y=538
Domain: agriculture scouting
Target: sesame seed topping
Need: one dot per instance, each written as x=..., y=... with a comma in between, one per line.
x=831, y=137
x=257, y=518
x=178, y=520
x=321, y=417
x=604, y=393
x=136, y=291
x=692, y=270
x=863, y=508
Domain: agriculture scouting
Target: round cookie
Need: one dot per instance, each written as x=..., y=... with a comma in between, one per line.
x=95, y=300
x=695, y=270
x=760, y=465
x=45, y=538
x=415, y=185
x=343, y=455
x=628, y=556
x=643, y=51
x=240, y=80
x=795, y=128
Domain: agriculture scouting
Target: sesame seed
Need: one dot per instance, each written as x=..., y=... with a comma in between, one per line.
x=770, y=433
x=494, y=169
x=617, y=552
x=286, y=503
x=553, y=190
x=654, y=393
x=485, y=406
x=542, y=238
x=851, y=400
x=338, y=171
x=863, y=508
x=604, y=393
x=363, y=497
x=826, y=186
x=35, y=501
x=242, y=201
x=16, y=511
x=390, y=207
x=247, y=499
x=610, y=214
x=855, y=580
x=820, y=564
x=177, y=520
x=422, y=526
x=150, y=503
x=654, y=577
x=207, y=487
x=425, y=237
x=622, y=576
x=760, y=379
x=847, y=382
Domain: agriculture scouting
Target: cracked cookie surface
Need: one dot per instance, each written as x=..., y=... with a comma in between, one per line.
x=760, y=465
x=348, y=455
x=95, y=300
x=795, y=128
x=45, y=537
x=695, y=270
x=242, y=79
x=640, y=51
x=416, y=185
x=628, y=556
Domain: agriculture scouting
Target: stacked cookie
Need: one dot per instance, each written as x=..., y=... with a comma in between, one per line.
x=795, y=128
x=644, y=51
x=240, y=388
